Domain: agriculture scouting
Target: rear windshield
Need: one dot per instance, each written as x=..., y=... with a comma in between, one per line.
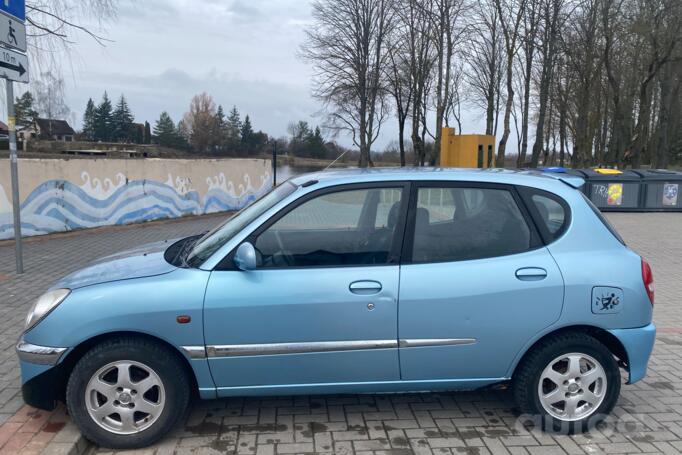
x=603, y=219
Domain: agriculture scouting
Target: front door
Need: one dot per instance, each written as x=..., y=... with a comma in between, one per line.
x=321, y=307
x=479, y=284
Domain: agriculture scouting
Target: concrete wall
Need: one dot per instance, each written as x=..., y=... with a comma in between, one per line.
x=61, y=195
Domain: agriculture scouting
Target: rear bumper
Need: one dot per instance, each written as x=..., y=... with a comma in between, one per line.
x=638, y=344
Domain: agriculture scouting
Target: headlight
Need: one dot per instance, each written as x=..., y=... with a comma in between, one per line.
x=42, y=307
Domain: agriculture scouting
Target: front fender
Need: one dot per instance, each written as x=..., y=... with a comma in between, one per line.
x=148, y=306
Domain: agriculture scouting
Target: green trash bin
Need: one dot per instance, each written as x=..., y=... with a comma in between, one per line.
x=614, y=190
x=661, y=190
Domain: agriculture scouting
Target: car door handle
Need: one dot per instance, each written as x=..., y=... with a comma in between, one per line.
x=531, y=274
x=365, y=287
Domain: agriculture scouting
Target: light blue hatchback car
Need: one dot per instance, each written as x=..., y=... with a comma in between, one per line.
x=354, y=282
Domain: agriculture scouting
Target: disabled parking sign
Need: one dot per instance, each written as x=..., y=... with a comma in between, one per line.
x=671, y=192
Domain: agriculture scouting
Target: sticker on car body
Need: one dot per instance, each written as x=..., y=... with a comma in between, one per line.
x=607, y=300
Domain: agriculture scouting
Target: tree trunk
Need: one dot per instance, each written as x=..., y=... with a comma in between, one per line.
x=401, y=139
x=507, y=112
x=521, y=162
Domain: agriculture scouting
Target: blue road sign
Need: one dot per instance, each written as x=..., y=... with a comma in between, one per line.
x=15, y=8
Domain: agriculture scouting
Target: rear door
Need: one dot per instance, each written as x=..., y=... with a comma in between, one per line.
x=321, y=307
x=476, y=284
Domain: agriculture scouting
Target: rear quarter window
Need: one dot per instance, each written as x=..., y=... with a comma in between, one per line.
x=551, y=213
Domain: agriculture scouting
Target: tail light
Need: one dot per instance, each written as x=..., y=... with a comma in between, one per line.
x=648, y=279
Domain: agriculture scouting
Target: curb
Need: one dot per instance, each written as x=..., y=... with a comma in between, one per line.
x=68, y=441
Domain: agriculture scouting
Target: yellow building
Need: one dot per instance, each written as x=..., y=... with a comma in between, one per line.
x=466, y=150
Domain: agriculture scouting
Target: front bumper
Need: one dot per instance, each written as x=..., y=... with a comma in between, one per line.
x=39, y=355
x=41, y=374
x=638, y=344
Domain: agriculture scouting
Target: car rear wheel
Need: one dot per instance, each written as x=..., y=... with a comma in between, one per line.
x=127, y=393
x=571, y=382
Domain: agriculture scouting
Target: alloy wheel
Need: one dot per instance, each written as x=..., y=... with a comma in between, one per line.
x=125, y=397
x=572, y=387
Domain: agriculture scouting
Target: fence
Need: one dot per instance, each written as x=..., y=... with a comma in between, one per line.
x=62, y=195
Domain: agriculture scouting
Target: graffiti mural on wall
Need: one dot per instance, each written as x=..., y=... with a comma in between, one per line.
x=61, y=205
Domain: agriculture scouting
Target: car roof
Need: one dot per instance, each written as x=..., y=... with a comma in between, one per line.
x=532, y=178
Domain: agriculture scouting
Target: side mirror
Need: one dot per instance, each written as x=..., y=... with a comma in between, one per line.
x=245, y=257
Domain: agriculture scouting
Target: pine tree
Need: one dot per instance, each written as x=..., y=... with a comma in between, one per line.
x=165, y=133
x=246, y=134
x=122, y=122
x=138, y=133
x=103, y=126
x=89, y=120
x=220, y=117
x=220, y=130
x=24, y=111
x=316, y=146
x=147, y=135
x=183, y=136
x=234, y=130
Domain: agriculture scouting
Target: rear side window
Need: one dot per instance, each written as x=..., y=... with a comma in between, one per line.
x=459, y=224
x=551, y=213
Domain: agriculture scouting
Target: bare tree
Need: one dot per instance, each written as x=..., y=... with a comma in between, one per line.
x=483, y=53
x=531, y=22
x=583, y=61
x=458, y=95
x=48, y=96
x=347, y=46
x=659, y=29
x=669, y=119
x=52, y=27
x=200, y=123
x=414, y=17
x=552, y=21
x=398, y=80
x=447, y=31
x=511, y=14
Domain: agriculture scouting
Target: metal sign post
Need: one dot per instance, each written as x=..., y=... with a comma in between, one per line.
x=13, y=67
x=16, y=207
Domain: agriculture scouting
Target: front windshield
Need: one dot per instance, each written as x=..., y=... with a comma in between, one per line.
x=215, y=239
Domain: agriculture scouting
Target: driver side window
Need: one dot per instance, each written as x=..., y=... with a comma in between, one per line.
x=344, y=228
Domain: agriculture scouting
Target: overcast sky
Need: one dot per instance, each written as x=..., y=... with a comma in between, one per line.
x=242, y=52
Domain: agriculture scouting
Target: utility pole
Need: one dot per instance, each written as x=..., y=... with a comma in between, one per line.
x=16, y=206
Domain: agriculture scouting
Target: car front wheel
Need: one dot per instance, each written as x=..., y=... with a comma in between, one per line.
x=127, y=393
x=570, y=382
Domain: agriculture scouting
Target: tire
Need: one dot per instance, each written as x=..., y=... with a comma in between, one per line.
x=583, y=397
x=109, y=409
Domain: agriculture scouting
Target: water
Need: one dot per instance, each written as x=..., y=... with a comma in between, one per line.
x=286, y=172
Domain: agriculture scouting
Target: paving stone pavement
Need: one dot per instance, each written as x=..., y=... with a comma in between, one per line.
x=648, y=418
